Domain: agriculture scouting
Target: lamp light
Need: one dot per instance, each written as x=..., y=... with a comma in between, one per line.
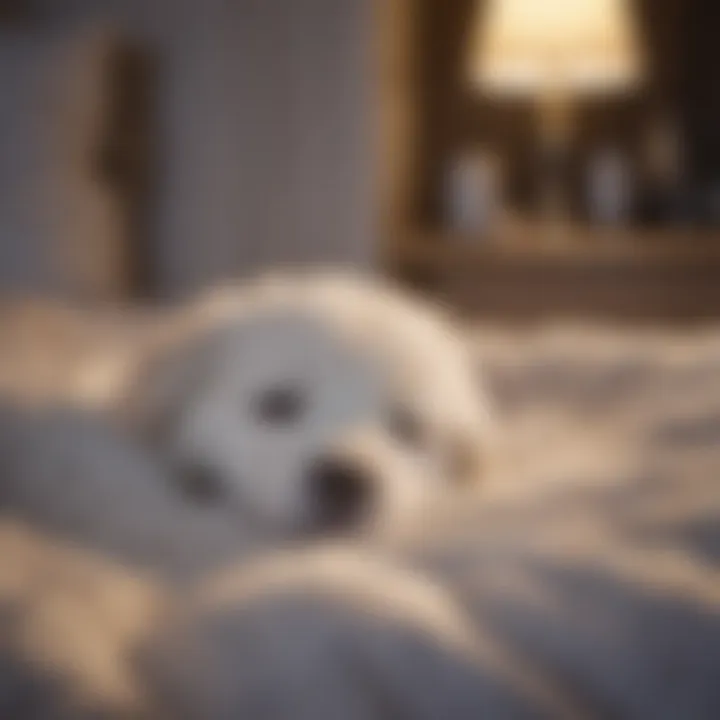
x=554, y=51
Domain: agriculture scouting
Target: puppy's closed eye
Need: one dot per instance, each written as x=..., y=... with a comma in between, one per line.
x=200, y=484
x=281, y=405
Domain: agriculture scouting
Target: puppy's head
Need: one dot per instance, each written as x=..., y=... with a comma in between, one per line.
x=316, y=404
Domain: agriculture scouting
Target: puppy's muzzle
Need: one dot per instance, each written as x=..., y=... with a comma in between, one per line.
x=341, y=493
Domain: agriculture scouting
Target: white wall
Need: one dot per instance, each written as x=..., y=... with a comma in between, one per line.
x=267, y=150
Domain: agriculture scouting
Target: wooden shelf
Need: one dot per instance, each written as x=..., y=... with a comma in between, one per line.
x=660, y=275
x=575, y=245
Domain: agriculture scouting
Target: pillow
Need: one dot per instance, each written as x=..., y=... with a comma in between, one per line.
x=61, y=228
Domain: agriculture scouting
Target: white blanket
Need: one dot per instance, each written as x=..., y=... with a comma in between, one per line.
x=583, y=581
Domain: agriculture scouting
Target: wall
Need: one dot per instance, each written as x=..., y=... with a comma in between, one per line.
x=266, y=143
x=699, y=89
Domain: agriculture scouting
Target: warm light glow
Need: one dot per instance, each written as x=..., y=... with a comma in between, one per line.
x=530, y=46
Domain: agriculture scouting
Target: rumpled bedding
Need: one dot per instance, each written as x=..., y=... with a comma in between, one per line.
x=595, y=552
x=583, y=581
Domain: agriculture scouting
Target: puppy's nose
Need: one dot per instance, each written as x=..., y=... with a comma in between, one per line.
x=341, y=492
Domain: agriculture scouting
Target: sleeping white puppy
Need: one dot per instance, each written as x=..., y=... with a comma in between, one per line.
x=296, y=406
x=313, y=403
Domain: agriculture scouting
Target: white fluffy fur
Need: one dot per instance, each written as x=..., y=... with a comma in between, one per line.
x=185, y=383
x=358, y=352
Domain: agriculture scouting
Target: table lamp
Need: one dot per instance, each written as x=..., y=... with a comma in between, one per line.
x=554, y=51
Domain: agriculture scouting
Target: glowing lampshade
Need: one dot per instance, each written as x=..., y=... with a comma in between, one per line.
x=523, y=47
